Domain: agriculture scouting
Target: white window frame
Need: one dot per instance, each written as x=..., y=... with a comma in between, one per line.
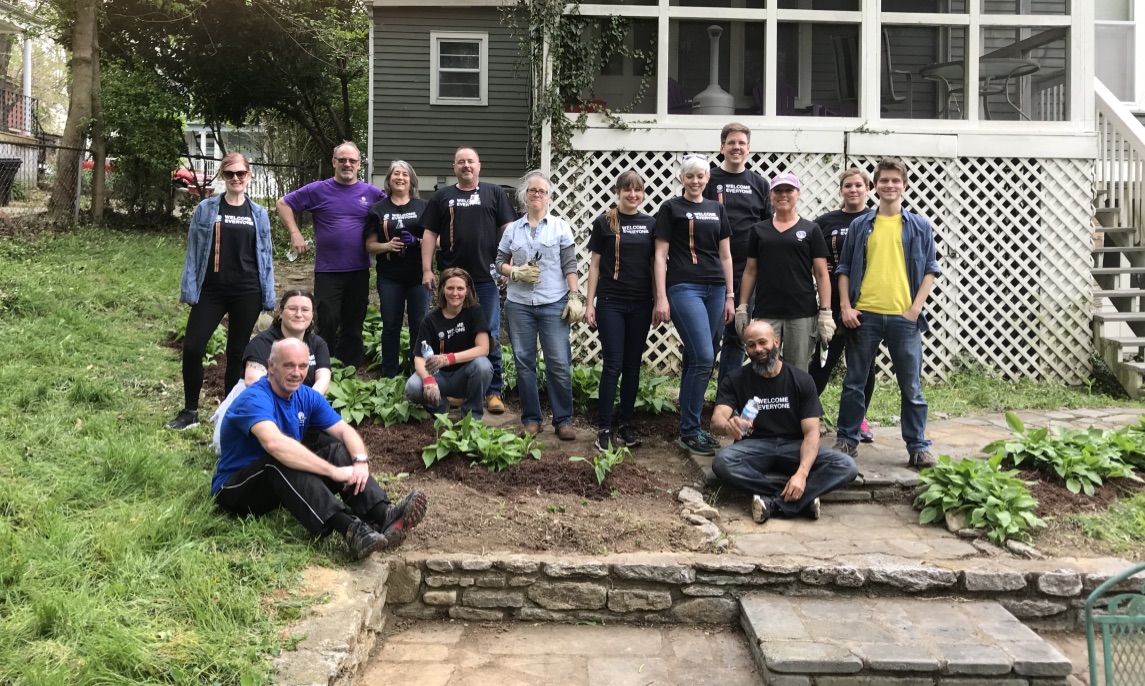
x=435, y=40
x=1137, y=22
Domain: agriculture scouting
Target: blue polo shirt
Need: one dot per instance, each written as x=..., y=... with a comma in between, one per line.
x=293, y=416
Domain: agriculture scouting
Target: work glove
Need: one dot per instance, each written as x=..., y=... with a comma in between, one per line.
x=826, y=326
x=529, y=273
x=407, y=238
x=574, y=310
x=742, y=320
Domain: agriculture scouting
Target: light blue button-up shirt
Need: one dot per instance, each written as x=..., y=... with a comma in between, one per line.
x=524, y=243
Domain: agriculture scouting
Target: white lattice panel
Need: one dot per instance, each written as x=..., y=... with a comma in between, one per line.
x=1012, y=234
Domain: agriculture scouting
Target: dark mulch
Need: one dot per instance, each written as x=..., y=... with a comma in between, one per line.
x=1055, y=499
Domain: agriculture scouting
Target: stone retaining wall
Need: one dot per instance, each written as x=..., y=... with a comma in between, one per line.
x=703, y=590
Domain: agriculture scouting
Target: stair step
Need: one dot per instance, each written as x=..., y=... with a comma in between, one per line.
x=1119, y=293
x=1115, y=229
x=1120, y=249
x=879, y=481
x=1127, y=342
x=894, y=640
x=1119, y=316
x=1115, y=271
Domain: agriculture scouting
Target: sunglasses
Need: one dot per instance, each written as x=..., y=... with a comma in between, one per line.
x=347, y=160
x=239, y=174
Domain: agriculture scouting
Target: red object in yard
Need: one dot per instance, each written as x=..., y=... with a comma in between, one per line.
x=590, y=106
x=191, y=182
x=88, y=165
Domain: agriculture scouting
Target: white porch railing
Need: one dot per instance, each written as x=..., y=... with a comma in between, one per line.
x=1120, y=168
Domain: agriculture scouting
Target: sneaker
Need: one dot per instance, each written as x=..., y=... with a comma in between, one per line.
x=493, y=404
x=709, y=440
x=921, y=460
x=760, y=512
x=605, y=440
x=404, y=516
x=815, y=509
x=186, y=419
x=696, y=445
x=865, y=433
x=847, y=449
x=363, y=540
x=566, y=432
x=628, y=436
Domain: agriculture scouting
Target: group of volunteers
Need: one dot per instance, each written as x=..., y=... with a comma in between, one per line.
x=729, y=262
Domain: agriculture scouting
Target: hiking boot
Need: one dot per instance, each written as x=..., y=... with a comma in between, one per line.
x=494, y=405
x=709, y=440
x=605, y=440
x=814, y=510
x=628, y=436
x=760, y=512
x=531, y=429
x=363, y=540
x=455, y=403
x=404, y=516
x=695, y=445
x=186, y=419
x=847, y=449
x=865, y=433
x=921, y=460
x=566, y=432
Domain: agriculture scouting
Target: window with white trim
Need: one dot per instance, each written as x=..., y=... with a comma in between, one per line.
x=459, y=68
x=1118, y=41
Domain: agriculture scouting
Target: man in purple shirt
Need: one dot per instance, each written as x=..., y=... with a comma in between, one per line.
x=339, y=206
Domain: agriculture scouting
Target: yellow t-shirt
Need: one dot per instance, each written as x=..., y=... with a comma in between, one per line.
x=885, y=289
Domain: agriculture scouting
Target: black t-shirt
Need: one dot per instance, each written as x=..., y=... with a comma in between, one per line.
x=469, y=225
x=625, y=256
x=232, y=264
x=783, y=400
x=693, y=231
x=784, y=284
x=387, y=221
x=834, y=226
x=258, y=350
x=446, y=335
x=747, y=198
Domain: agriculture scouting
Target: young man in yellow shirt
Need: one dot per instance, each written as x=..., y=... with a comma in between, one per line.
x=886, y=270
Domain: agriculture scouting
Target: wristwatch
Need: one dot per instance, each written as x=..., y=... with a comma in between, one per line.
x=359, y=459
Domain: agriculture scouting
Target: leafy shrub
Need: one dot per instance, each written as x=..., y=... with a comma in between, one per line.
x=994, y=500
x=372, y=341
x=216, y=345
x=655, y=394
x=383, y=400
x=585, y=385
x=1081, y=458
x=1131, y=441
x=492, y=448
x=509, y=369
x=604, y=463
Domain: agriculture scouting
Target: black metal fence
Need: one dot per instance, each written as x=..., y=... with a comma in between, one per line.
x=38, y=177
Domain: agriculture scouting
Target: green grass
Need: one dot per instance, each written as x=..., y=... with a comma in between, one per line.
x=1122, y=526
x=115, y=566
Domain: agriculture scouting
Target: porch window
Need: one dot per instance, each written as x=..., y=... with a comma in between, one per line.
x=1116, y=31
x=627, y=79
x=1023, y=75
x=740, y=63
x=459, y=68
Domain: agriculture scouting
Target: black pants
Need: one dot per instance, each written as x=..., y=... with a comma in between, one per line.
x=267, y=484
x=821, y=373
x=622, y=326
x=201, y=323
x=342, y=298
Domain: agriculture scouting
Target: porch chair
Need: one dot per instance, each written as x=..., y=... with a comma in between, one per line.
x=846, y=53
x=678, y=103
x=1120, y=618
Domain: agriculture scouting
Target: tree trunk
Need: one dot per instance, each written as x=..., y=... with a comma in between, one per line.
x=98, y=144
x=70, y=157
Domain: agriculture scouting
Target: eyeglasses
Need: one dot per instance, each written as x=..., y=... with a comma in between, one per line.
x=347, y=160
x=537, y=191
x=239, y=174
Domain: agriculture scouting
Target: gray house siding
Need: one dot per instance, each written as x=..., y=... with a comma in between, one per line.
x=407, y=127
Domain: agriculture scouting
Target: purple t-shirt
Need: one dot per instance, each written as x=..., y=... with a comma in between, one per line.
x=339, y=213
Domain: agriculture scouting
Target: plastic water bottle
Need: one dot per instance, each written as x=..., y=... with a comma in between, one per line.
x=426, y=351
x=292, y=254
x=750, y=411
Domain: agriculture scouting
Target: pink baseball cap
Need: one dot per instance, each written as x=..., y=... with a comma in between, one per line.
x=786, y=179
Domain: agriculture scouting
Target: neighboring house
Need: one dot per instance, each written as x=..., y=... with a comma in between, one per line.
x=206, y=151
x=19, y=127
x=1004, y=166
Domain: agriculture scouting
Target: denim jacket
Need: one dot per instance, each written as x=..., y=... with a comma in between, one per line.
x=917, y=247
x=552, y=234
x=199, y=250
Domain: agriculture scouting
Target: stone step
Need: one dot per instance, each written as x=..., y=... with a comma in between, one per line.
x=1119, y=248
x=853, y=641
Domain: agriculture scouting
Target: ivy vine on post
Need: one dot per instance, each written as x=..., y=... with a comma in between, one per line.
x=580, y=47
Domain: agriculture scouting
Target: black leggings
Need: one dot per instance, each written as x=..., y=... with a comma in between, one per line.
x=201, y=323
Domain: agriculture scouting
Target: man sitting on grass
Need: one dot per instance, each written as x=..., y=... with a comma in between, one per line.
x=774, y=408
x=263, y=465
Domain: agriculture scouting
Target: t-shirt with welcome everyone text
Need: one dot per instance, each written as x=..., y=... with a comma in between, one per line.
x=469, y=224
x=746, y=196
x=339, y=212
x=387, y=221
x=232, y=264
x=446, y=335
x=835, y=225
x=693, y=231
x=625, y=256
x=784, y=400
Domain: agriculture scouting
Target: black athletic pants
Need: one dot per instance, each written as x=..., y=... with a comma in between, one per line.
x=342, y=298
x=205, y=316
x=267, y=484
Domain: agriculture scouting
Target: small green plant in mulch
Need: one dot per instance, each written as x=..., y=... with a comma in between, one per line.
x=993, y=499
x=1081, y=458
x=382, y=400
x=492, y=448
x=605, y=462
x=586, y=386
x=216, y=345
x=655, y=394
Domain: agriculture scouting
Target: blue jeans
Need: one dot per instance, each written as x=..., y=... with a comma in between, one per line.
x=469, y=382
x=622, y=326
x=904, y=342
x=490, y=297
x=396, y=301
x=525, y=323
x=697, y=313
x=762, y=466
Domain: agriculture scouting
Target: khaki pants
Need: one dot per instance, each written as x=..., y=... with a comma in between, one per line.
x=797, y=338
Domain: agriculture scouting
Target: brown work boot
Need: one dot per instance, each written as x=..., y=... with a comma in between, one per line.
x=566, y=432
x=531, y=429
x=494, y=405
